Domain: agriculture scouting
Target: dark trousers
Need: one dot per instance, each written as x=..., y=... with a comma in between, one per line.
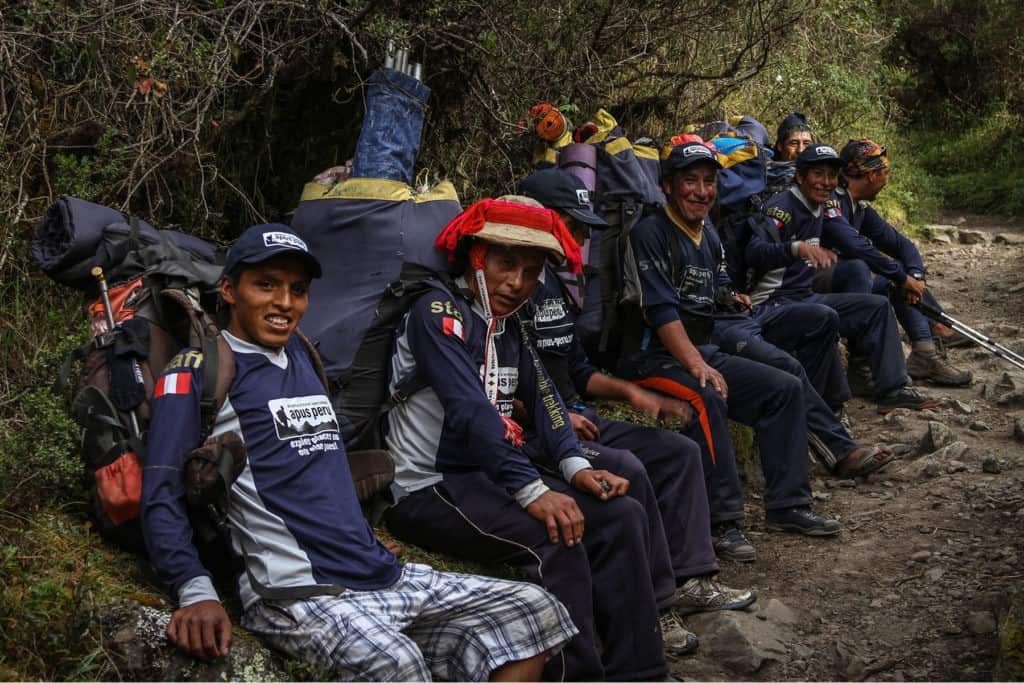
x=769, y=400
x=916, y=323
x=675, y=477
x=800, y=340
x=852, y=276
x=867, y=323
x=605, y=582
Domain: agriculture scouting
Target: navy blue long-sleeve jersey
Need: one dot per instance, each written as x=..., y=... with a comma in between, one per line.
x=772, y=257
x=550, y=316
x=856, y=231
x=451, y=424
x=673, y=276
x=293, y=510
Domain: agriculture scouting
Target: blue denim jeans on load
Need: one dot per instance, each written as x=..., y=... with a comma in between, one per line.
x=392, y=130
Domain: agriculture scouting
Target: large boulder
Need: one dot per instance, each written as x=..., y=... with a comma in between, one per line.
x=748, y=458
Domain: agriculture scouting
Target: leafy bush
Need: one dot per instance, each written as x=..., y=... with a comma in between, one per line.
x=977, y=168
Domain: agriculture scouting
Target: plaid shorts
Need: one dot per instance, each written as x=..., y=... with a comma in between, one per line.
x=458, y=627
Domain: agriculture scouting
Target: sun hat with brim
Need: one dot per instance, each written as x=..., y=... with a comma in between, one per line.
x=513, y=221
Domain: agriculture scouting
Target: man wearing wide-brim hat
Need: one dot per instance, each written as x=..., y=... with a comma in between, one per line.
x=464, y=486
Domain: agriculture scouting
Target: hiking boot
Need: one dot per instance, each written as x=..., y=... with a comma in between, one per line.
x=801, y=520
x=704, y=594
x=905, y=397
x=858, y=376
x=730, y=543
x=936, y=369
x=675, y=637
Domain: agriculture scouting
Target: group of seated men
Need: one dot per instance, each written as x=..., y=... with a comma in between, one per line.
x=499, y=459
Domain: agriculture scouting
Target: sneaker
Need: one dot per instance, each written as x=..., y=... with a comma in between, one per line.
x=936, y=369
x=905, y=397
x=675, y=637
x=858, y=376
x=704, y=594
x=801, y=520
x=730, y=543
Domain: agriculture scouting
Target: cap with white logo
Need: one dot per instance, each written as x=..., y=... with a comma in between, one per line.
x=819, y=154
x=686, y=155
x=560, y=190
x=261, y=242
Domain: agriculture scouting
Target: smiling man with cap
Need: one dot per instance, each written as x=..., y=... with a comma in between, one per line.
x=317, y=583
x=465, y=486
x=673, y=271
x=784, y=260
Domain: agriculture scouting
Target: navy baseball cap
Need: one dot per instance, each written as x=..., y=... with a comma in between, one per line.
x=562, y=191
x=819, y=154
x=261, y=242
x=686, y=155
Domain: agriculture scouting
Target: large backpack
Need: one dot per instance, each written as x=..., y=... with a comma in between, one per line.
x=156, y=297
x=627, y=189
x=161, y=298
x=376, y=240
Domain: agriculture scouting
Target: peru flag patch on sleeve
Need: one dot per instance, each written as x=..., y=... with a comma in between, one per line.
x=453, y=326
x=172, y=384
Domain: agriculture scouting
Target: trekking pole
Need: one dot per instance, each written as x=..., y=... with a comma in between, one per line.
x=974, y=335
x=97, y=273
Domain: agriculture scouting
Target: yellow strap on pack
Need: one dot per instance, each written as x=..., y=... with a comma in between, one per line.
x=379, y=190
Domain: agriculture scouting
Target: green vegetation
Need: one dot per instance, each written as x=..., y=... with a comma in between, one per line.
x=211, y=117
x=977, y=169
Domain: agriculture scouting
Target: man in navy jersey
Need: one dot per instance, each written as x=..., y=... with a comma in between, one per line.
x=784, y=259
x=672, y=461
x=863, y=238
x=317, y=583
x=591, y=533
x=671, y=268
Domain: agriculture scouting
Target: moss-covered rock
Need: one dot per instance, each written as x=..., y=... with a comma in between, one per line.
x=138, y=647
x=1009, y=665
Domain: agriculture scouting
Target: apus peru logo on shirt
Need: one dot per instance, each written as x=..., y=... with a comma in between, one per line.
x=302, y=416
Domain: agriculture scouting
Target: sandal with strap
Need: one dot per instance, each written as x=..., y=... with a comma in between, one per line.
x=870, y=460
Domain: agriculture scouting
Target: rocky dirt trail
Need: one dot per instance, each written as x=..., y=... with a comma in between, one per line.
x=910, y=589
